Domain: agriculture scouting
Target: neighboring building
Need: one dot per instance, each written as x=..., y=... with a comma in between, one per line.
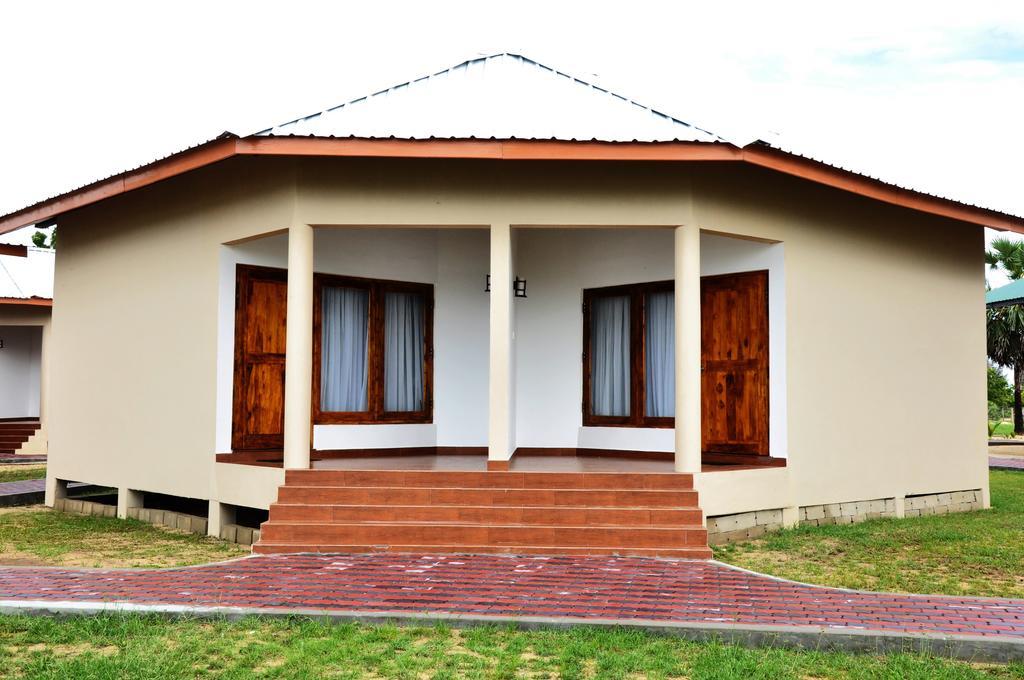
x=484, y=272
x=26, y=297
x=1004, y=296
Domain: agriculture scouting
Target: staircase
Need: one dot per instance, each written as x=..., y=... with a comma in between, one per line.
x=14, y=433
x=591, y=513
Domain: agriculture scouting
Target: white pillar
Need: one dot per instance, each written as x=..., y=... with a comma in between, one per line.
x=499, y=422
x=128, y=498
x=687, y=348
x=219, y=516
x=298, y=363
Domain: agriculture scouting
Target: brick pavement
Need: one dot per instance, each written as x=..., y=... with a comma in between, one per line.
x=1005, y=463
x=506, y=586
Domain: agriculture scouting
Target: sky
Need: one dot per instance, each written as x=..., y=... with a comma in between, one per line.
x=924, y=94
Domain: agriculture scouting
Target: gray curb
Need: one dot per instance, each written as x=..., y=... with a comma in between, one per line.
x=818, y=638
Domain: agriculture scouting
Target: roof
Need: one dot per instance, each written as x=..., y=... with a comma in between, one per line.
x=501, y=96
x=502, y=107
x=1010, y=294
x=27, y=279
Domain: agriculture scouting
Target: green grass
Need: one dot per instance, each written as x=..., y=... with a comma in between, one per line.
x=974, y=553
x=147, y=647
x=17, y=473
x=37, y=535
x=1003, y=429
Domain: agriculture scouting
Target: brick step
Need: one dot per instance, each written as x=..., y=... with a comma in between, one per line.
x=488, y=514
x=491, y=480
x=271, y=548
x=481, y=534
x=13, y=441
x=377, y=495
x=6, y=451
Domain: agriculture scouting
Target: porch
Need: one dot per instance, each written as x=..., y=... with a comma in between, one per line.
x=498, y=373
x=507, y=389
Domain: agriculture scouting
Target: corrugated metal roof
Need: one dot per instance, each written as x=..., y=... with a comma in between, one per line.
x=500, y=96
x=29, y=277
x=1010, y=294
x=790, y=151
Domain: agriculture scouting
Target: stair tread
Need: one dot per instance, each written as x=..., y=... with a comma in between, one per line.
x=489, y=525
x=694, y=552
x=364, y=487
x=658, y=508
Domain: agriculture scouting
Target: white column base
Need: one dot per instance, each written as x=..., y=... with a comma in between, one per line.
x=218, y=516
x=127, y=498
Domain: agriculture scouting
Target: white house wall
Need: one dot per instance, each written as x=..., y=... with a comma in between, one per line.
x=19, y=371
x=141, y=383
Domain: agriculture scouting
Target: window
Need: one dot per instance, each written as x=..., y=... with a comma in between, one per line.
x=373, y=348
x=629, y=355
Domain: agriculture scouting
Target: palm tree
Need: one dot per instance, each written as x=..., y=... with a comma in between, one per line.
x=1007, y=254
x=1005, y=325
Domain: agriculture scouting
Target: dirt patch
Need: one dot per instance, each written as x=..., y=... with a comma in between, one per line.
x=13, y=559
x=80, y=649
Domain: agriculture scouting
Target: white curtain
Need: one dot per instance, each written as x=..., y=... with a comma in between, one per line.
x=660, y=355
x=343, y=349
x=609, y=368
x=403, y=352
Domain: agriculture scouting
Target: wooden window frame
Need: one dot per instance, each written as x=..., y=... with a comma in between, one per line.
x=375, y=414
x=637, y=356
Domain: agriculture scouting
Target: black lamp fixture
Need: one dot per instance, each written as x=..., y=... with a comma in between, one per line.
x=518, y=286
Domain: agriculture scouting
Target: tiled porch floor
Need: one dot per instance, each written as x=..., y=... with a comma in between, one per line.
x=474, y=463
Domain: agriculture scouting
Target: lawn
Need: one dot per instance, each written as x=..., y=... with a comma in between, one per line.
x=147, y=647
x=17, y=473
x=36, y=535
x=976, y=553
x=1003, y=429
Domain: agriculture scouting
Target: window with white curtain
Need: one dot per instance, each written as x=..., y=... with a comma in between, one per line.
x=629, y=355
x=374, y=351
x=610, y=356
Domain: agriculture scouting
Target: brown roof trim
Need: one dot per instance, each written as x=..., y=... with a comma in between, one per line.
x=762, y=156
x=822, y=173
x=13, y=250
x=27, y=302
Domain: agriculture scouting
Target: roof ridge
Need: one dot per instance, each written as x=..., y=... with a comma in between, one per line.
x=482, y=58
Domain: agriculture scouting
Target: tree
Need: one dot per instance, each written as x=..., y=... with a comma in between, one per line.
x=1005, y=325
x=1000, y=393
x=1008, y=255
x=39, y=239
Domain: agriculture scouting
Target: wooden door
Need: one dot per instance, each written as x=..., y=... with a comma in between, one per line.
x=261, y=298
x=734, y=378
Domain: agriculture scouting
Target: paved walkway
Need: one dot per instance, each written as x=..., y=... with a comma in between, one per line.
x=26, y=491
x=575, y=588
x=1005, y=463
x=18, y=458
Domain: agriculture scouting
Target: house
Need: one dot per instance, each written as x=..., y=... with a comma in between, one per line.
x=499, y=308
x=26, y=296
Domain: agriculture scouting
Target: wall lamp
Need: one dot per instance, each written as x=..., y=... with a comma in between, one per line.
x=518, y=286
